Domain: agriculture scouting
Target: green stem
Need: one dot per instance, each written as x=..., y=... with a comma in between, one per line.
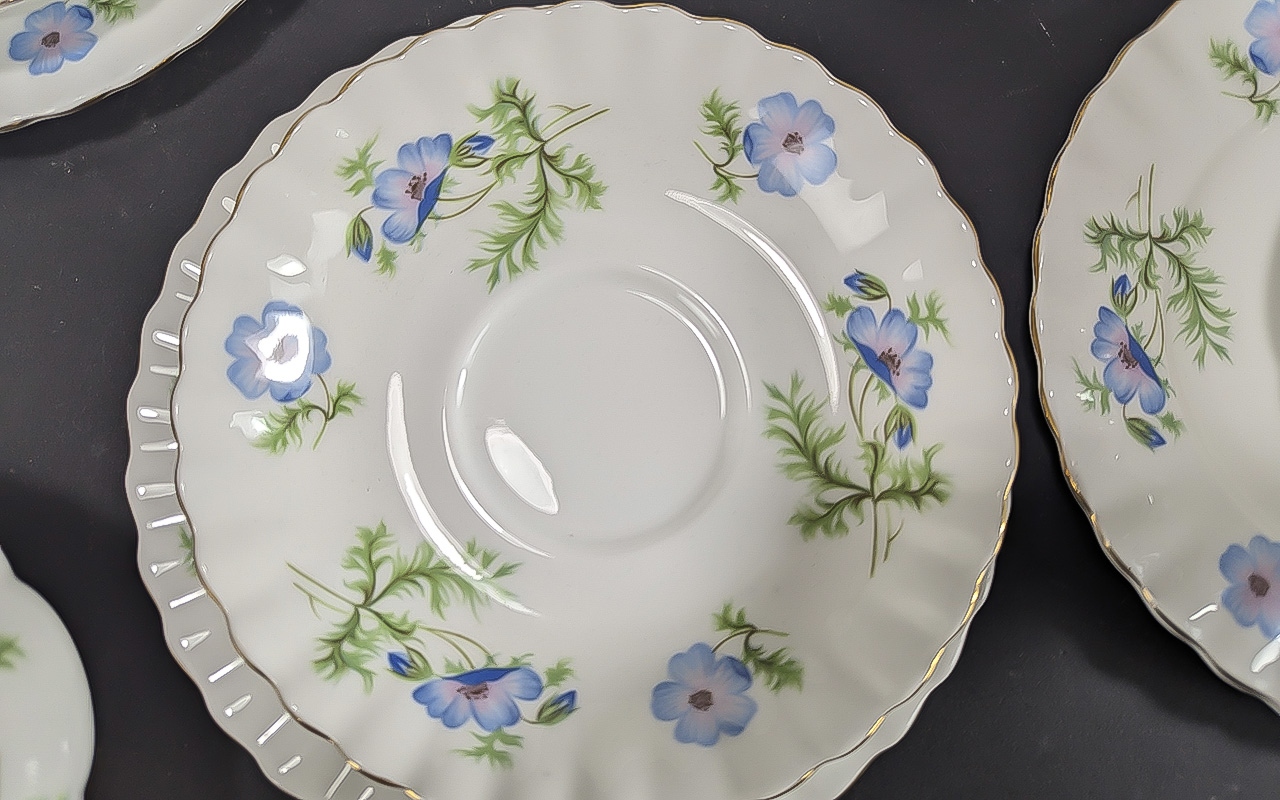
x=444, y=634
x=862, y=403
x=568, y=112
x=747, y=632
x=327, y=412
x=720, y=167
x=479, y=198
x=875, y=528
x=1255, y=95
x=465, y=657
x=853, y=405
x=315, y=582
x=573, y=125
x=460, y=198
x=315, y=599
x=890, y=538
x=1151, y=199
x=1160, y=322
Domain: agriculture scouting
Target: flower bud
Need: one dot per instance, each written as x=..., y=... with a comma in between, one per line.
x=1124, y=295
x=1144, y=432
x=867, y=287
x=900, y=427
x=558, y=708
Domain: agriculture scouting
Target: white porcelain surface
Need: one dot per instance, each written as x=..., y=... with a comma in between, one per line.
x=46, y=718
x=1180, y=518
x=116, y=43
x=310, y=770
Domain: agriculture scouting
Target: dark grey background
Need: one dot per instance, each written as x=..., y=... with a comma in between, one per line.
x=1067, y=688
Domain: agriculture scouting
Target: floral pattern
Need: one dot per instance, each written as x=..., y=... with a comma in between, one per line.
x=282, y=353
x=486, y=695
x=1156, y=278
x=707, y=695
x=1263, y=24
x=457, y=679
x=53, y=35
x=1253, y=573
x=789, y=146
x=430, y=171
x=59, y=33
x=890, y=374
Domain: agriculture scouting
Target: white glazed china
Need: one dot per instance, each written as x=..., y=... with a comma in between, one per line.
x=57, y=56
x=46, y=717
x=296, y=759
x=611, y=433
x=1158, y=374
x=284, y=749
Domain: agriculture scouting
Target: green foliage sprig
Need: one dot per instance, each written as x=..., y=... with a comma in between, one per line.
x=1227, y=59
x=777, y=668
x=379, y=573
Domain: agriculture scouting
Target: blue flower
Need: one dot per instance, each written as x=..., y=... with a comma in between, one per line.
x=486, y=695
x=400, y=663
x=889, y=349
x=54, y=34
x=280, y=353
x=1253, y=597
x=788, y=144
x=1263, y=23
x=867, y=287
x=411, y=191
x=1128, y=371
x=706, y=696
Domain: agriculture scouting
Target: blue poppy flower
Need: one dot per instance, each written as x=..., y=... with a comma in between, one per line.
x=866, y=287
x=1128, y=371
x=53, y=35
x=889, y=349
x=486, y=695
x=410, y=191
x=706, y=696
x=1253, y=597
x=280, y=353
x=788, y=144
x=1263, y=24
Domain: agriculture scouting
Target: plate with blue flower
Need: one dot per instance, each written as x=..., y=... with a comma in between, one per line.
x=58, y=56
x=521, y=485
x=1155, y=326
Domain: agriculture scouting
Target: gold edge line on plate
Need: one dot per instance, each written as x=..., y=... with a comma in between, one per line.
x=1148, y=597
x=22, y=123
x=1007, y=494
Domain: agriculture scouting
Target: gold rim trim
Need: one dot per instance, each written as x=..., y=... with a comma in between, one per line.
x=977, y=594
x=1148, y=597
x=22, y=123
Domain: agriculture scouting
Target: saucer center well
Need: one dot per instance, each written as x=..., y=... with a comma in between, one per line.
x=591, y=407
